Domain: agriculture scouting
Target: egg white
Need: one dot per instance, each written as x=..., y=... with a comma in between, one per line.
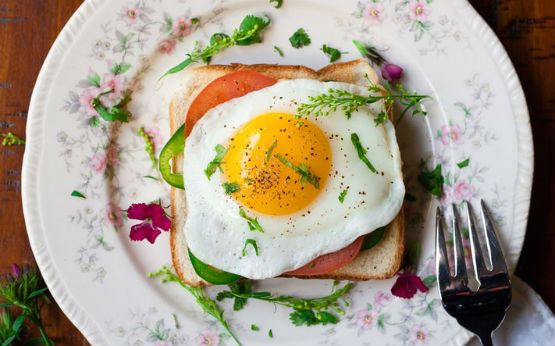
x=215, y=232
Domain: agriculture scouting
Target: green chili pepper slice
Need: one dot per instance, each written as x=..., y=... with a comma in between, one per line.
x=173, y=147
x=210, y=274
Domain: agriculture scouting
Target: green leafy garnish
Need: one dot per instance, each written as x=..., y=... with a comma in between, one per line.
x=464, y=163
x=252, y=222
x=230, y=188
x=432, y=180
x=333, y=53
x=361, y=152
x=270, y=334
x=302, y=170
x=342, y=195
x=251, y=242
x=115, y=113
x=236, y=290
x=305, y=311
x=217, y=162
x=278, y=3
x=207, y=304
x=255, y=328
x=299, y=38
x=23, y=290
x=149, y=146
x=278, y=50
x=248, y=33
x=269, y=153
x=76, y=193
x=10, y=328
x=11, y=139
x=348, y=102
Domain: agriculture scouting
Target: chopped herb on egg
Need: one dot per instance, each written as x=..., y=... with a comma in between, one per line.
x=269, y=154
x=342, y=195
x=252, y=242
x=361, y=152
x=216, y=163
x=253, y=222
x=299, y=38
x=306, y=175
x=230, y=188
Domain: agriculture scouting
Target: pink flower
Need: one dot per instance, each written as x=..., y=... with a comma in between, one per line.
x=98, y=161
x=366, y=319
x=451, y=135
x=85, y=100
x=16, y=271
x=383, y=299
x=447, y=196
x=154, y=133
x=407, y=285
x=208, y=338
x=182, y=28
x=130, y=14
x=417, y=334
x=154, y=218
x=419, y=10
x=112, y=155
x=374, y=12
x=167, y=45
x=114, y=215
x=391, y=72
x=463, y=191
x=112, y=82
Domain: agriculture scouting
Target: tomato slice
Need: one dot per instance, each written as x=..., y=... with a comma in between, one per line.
x=225, y=88
x=331, y=261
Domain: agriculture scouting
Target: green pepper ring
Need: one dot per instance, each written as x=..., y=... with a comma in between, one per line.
x=210, y=274
x=173, y=147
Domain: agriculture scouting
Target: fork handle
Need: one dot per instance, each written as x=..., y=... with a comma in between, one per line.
x=486, y=339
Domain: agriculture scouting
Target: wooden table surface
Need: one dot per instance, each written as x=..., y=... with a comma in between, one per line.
x=527, y=29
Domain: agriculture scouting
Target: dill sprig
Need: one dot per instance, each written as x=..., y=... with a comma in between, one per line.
x=207, y=304
x=23, y=289
x=348, y=102
x=11, y=139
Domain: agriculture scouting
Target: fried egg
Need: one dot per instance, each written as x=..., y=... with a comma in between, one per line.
x=284, y=178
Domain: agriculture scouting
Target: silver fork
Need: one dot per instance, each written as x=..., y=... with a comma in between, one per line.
x=483, y=310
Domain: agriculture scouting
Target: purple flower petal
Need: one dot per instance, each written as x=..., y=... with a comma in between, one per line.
x=406, y=285
x=137, y=211
x=154, y=210
x=391, y=72
x=144, y=231
x=161, y=221
x=16, y=271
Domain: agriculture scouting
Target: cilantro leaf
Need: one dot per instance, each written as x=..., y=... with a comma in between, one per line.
x=342, y=195
x=299, y=38
x=464, y=163
x=251, y=242
x=252, y=222
x=302, y=170
x=432, y=181
x=333, y=53
x=278, y=3
x=230, y=188
x=217, y=162
x=250, y=29
x=303, y=316
x=361, y=152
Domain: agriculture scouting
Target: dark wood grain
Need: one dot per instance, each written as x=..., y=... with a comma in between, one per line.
x=527, y=29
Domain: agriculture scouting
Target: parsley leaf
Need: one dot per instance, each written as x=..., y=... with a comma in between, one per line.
x=333, y=53
x=253, y=222
x=278, y=3
x=464, y=163
x=115, y=113
x=207, y=304
x=299, y=38
x=432, y=181
x=254, y=245
x=306, y=175
x=230, y=188
x=76, y=193
x=216, y=163
x=237, y=288
x=269, y=153
x=361, y=152
x=276, y=48
x=248, y=33
x=342, y=195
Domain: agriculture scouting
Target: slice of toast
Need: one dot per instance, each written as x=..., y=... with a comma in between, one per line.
x=380, y=262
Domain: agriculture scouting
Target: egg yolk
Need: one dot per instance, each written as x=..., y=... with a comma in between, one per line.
x=280, y=167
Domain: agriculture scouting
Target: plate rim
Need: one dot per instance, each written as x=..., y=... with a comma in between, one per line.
x=33, y=149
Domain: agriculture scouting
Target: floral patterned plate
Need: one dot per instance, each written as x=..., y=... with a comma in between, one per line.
x=98, y=276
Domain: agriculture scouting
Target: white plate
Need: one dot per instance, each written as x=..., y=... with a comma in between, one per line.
x=98, y=276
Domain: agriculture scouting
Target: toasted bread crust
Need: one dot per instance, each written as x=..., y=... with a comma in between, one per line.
x=354, y=72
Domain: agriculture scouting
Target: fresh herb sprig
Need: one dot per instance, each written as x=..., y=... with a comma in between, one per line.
x=302, y=170
x=10, y=328
x=149, y=146
x=348, y=102
x=248, y=33
x=114, y=113
x=252, y=222
x=207, y=304
x=333, y=53
x=10, y=139
x=217, y=162
x=23, y=289
x=305, y=311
